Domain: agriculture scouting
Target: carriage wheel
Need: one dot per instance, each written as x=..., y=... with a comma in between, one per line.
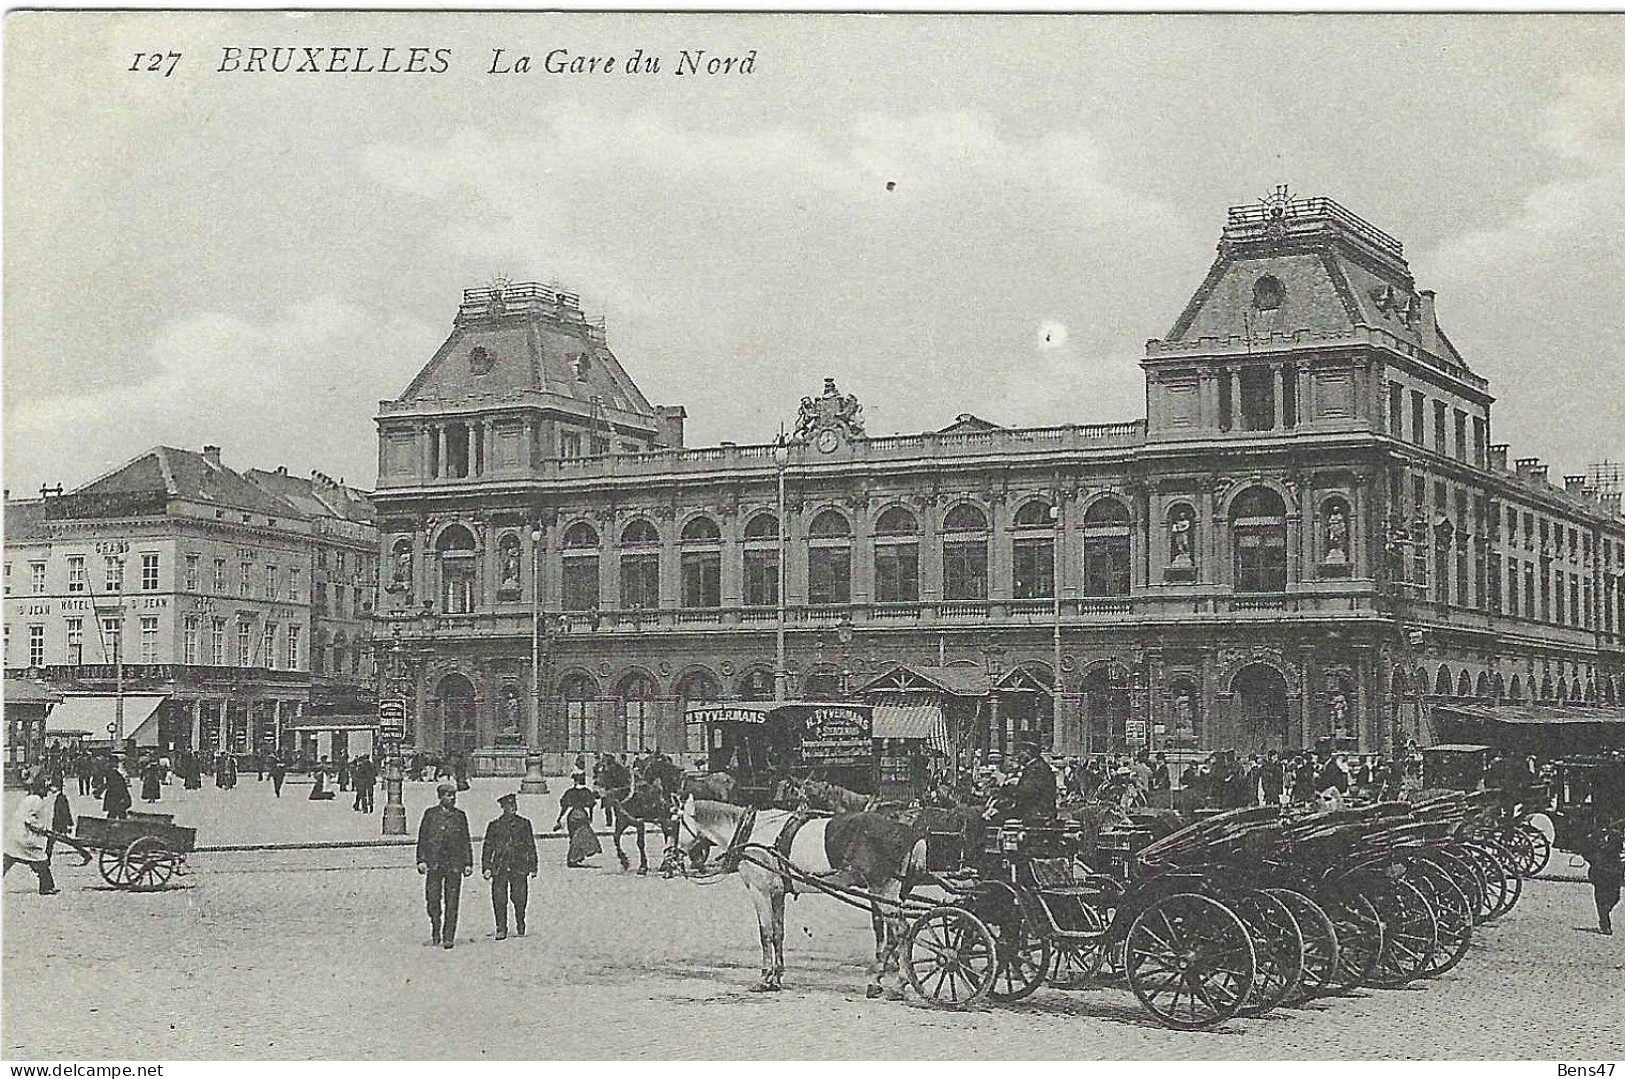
x=1541, y=845
x=1468, y=876
x=1278, y=944
x=1190, y=960
x=1502, y=886
x=1359, y=937
x=151, y=864
x=1024, y=960
x=1520, y=851
x=1410, y=932
x=949, y=957
x=1319, y=942
x=1077, y=965
x=1454, y=911
x=116, y=869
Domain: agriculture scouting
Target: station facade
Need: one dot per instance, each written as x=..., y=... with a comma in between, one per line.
x=1311, y=538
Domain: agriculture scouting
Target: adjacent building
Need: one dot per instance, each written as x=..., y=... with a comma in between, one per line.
x=207, y=584
x=1310, y=538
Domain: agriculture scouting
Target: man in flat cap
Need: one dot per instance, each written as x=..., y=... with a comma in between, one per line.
x=445, y=857
x=508, y=861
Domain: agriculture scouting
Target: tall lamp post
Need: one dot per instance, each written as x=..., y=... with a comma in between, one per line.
x=781, y=671
x=394, y=808
x=535, y=782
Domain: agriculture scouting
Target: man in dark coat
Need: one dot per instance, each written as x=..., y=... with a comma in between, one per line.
x=279, y=772
x=116, y=799
x=445, y=857
x=1035, y=789
x=366, y=780
x=1272, y=778
x=1602, y=855
x=508, y=861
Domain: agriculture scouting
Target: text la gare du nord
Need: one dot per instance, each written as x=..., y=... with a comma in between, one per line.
x=362, y=60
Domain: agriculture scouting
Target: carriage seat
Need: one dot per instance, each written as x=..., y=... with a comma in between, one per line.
x=1068, y=903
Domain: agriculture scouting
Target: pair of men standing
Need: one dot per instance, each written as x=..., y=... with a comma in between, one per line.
x=445, y=856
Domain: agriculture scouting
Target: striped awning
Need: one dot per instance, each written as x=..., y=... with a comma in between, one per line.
x=916, y=716
x=94, y=715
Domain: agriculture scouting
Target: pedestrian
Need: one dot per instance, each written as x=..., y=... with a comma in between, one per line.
x=1272, y=778
x=279, y=772
x=575, y=811
x=366, y=780
x=61, y=817
x=152, y=780
x=1603, y=870
x=25, y=841
x=318, y=786
x=445, y=857
x=508, y=860
x=344, y=773
x=116, y=799
x=459, y=771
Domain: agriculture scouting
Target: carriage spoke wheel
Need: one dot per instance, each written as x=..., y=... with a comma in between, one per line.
x=151, y=864
x=1410, y=933
x=1453, y=910
x=1278, y=945
x=949, y=957
x=115, y=868
x=1520, y=852
x=1541, y=846
x=1190, y=960
x=1319, y=943
x=1359, y=937
x=1024, y=960
x=1078, y=964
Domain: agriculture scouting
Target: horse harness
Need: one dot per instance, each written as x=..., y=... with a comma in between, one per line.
x=735, y=852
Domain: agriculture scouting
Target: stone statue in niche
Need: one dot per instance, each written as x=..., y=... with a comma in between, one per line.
x=1337, y=535
x=510, y=711
x=402, y=574
x=1184, y=712
x=1337, y=709
x=509, y=577
x=1181, y=548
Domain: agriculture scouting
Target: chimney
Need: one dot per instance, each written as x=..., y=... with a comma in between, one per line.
x=671, y=419
x=1498, y=457
x=1575, y=485
x=1527, y=466
x=1610, y=501
x=211, y=454
x=1430, y=319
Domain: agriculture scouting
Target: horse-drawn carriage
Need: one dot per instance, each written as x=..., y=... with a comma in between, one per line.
x=140, y=853
x=1588, y=792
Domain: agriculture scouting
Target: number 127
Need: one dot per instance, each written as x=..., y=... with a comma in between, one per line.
x=154, y=61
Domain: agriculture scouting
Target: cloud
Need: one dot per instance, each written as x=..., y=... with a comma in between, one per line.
x=297, y=389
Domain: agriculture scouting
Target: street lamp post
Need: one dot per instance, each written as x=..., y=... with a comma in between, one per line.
x=394, y=816
x=781, y=671
x=535, y=782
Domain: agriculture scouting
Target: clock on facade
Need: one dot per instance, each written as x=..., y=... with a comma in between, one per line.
x=827, y=440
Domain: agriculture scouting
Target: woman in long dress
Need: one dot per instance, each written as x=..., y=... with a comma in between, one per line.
x=575, y=812
x=152, y=781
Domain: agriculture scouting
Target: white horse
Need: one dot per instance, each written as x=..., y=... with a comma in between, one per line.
x=875, y=854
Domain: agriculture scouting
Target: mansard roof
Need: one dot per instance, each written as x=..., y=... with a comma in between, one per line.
x=165, y=473
x=315, y=496
x=515, y=338
x=1333, y=270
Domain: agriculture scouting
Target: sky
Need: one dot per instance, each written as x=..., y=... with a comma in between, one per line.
x=946, y=214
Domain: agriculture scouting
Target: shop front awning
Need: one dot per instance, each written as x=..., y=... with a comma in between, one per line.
x=913, y=716
x=1531, y=715
x=96, y=714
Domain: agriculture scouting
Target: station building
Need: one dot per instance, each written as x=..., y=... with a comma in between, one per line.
x=1311, y=538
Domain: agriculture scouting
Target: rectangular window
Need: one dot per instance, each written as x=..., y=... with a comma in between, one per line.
x=702, y=579
x=113, y=574
x=581, y=583
x=245, y=585
x=1258, y=398
x=190, y=626
x=36, y=575
x=1106, y=565
x=338, y=561
x=600, y=446
x=291, y=657
x=1530, y=611
x=829, y=575
x=1575, y=614
x=149, y=573
x=76, y=641
x=273, y=582
x=220, y=576
x=1512, y=587
x=1439, y=434
x=1461, y=435
x=1033, y=568
x=191, y=573
x=964, y=570
x=1495, y=584
x=1261, y=559
x=1481, y=437
x=76, y=573
x=580, y=733
x=113, y=639
x=245, y=643
x=338, y=602
x=640, y=582
x=1418, y=418
x=268, y=646
x=1561, y=594
x=36, y=646
x=149, y=640
x=293, y=584
x=897, y=573
x=319, y=597
x=569, y=444
x=1396, y=410
x=761, y=578
x=217, y=642
x=640, y=726
x=357, y=606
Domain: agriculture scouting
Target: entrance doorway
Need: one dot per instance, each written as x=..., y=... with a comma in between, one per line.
x=455, y=695
x=1261, y=708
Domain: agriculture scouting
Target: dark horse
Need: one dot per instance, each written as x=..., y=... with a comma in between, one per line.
x=652, y=800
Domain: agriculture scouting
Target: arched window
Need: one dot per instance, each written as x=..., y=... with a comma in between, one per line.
x=761, y=556
x=580, y=695
x=635, y=700
x=1106, y=549
x=640, y=566
x=964, y=553
x=1268, y=293
x=1032, y=551
x=702, y=564
x=640, y=533
x=701, y=530
x=897, y=557
x=1562, y=689
x=1498, y=688
x=1481, y=687
x=696, y=689
x=829, y=560
x=457, y=559
x=1464, y=685
x=1545, y=688
x=1515, y=692
x=1258, y=529
x=580, y=568
x=1182, y=539
x=1442, y=683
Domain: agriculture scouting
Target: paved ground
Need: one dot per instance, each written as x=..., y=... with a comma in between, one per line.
x=324, y=954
